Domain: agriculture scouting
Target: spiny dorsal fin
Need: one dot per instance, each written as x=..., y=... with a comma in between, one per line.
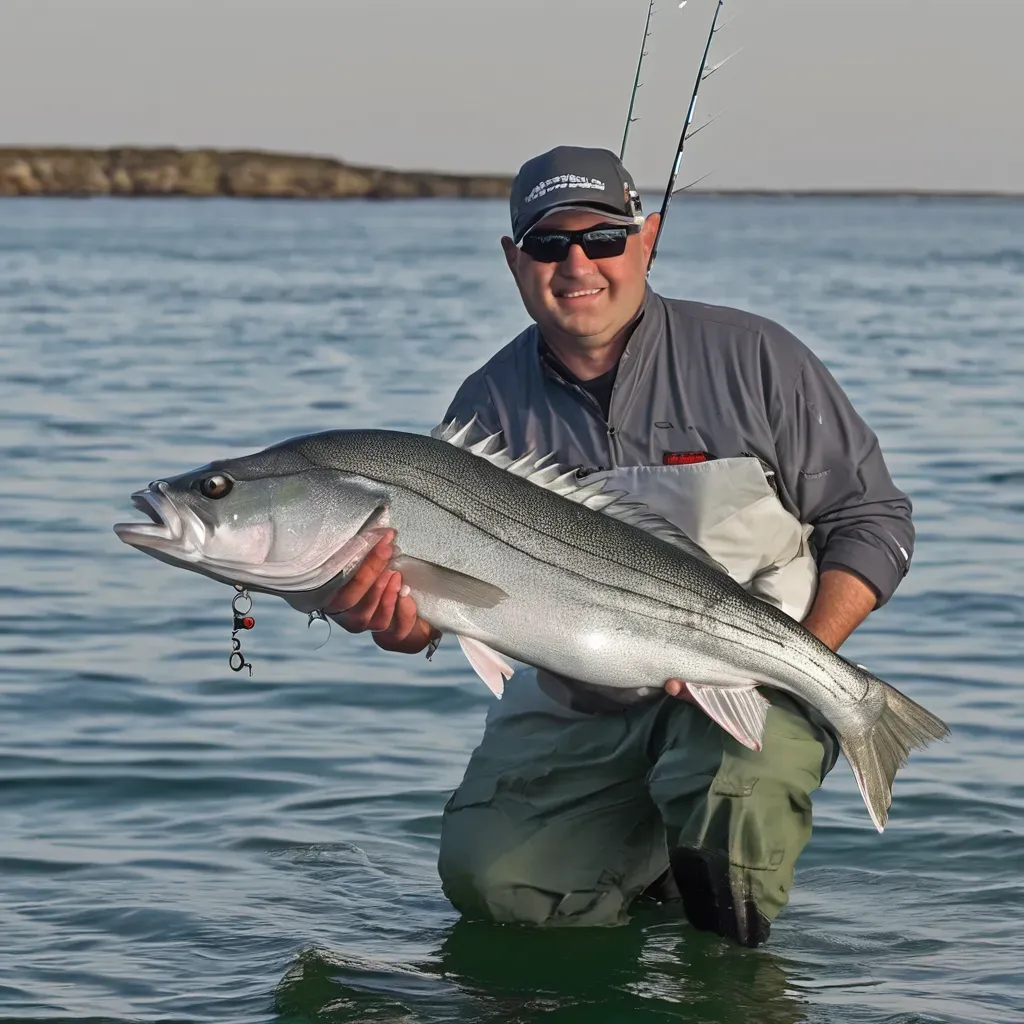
x=564, y=480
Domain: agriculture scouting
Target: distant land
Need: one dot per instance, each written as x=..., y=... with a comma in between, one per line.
x=38, y=171
x=145, y=171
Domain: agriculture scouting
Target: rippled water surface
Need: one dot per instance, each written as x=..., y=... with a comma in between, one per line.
x=180, y=843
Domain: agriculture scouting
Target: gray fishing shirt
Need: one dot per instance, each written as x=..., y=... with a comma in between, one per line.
x=696, y=378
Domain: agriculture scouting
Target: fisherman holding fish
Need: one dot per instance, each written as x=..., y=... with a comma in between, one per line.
x=580, y=799
x=768, y=529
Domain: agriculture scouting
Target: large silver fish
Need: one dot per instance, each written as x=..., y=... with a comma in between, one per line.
x=518, y=557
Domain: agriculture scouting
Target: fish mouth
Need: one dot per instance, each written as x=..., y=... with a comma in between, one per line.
x=165, y=527
x=179, y=535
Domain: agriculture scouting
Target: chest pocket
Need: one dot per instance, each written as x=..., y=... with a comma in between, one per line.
x=729, y=508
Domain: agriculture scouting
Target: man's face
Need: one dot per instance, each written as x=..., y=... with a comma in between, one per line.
x=581, y=299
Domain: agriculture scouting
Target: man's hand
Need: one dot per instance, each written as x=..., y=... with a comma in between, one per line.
x=677, y=688
x=372, y=600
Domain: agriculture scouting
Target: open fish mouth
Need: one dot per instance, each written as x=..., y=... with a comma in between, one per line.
x=165, y=525
x=177, y=533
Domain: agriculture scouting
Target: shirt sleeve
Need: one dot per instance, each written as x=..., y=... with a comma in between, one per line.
x=835, y=474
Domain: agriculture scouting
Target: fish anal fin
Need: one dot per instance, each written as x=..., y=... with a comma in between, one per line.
x=740, y=712
x=439, y=581
x=488, y=664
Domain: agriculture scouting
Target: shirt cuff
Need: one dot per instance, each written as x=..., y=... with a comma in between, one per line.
x=873, y=563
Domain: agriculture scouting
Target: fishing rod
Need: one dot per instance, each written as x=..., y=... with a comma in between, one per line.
x=703, y=72
x=636, y=81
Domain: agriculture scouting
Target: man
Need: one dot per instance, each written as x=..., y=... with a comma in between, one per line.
x=577, y=800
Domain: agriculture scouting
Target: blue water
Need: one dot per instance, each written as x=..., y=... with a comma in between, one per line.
x=180, y=843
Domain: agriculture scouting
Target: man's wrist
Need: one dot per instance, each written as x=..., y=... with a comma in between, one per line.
x=842, y=603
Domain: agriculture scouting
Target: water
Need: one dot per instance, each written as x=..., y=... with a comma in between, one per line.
x=180, y=843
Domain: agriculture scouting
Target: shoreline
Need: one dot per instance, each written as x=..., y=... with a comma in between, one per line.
x=251, y=174
x=136, y=171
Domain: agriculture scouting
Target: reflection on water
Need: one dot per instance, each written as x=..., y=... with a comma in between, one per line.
x=488, y=973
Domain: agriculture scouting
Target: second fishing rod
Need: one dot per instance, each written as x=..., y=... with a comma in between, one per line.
x=703, y=72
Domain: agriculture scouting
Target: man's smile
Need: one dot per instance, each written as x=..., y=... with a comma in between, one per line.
x=577, y=293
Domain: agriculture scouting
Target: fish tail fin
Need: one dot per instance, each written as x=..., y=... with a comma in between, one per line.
x=877, y=754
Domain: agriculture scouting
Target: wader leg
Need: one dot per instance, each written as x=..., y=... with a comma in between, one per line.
x=552, y=824
x=734, y=844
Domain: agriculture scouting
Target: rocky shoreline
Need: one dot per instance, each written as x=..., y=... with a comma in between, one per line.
x=28, y=171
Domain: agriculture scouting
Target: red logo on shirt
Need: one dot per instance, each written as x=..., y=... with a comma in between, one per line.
x=683, y=458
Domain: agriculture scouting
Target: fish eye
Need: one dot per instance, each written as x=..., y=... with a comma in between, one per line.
x=215, y=486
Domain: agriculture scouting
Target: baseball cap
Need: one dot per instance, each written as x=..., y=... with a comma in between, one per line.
x=573, y=178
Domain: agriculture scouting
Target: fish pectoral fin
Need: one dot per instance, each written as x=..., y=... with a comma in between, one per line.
x=740, y=712
x=488, y=664
x=430, y=578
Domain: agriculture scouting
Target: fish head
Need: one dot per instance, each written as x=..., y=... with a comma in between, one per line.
x=271, y=522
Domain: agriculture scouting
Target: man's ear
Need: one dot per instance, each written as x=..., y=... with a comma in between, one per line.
x=648, y=233
x=511, y=255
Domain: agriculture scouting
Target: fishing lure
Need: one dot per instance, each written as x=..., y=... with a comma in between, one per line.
x=241, y=620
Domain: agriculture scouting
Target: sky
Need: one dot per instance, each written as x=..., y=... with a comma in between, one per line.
x=915, y=94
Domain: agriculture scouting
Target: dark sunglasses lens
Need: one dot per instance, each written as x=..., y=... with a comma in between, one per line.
x=604, y=243
x=553, y=247
x=546, y=248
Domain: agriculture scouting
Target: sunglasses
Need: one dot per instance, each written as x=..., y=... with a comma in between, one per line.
x=598, y=243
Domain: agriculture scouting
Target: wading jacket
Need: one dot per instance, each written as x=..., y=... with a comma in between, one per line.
x=700, y=382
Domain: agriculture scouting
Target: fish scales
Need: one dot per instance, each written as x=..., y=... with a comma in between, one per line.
x=520, y=558
x=536, y=521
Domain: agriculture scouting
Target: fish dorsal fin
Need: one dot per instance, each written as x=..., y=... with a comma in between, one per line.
x=565, y=480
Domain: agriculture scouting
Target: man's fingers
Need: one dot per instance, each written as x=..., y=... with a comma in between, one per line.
x=382, y=615
x=677, y=688
x=405, y=618
x=363, y=612
x=415, y=641
x=357, y=588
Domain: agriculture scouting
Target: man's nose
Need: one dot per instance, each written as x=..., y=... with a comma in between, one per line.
x=577, y=261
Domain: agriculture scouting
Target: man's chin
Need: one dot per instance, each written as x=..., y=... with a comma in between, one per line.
x=582, y=323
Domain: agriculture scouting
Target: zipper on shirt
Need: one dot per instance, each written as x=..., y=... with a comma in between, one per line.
x=612, y=445
x=610, y=431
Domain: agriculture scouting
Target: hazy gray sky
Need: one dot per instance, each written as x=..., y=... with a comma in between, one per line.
x=833, y=93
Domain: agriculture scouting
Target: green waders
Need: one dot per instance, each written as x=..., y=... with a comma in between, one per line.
x=564, y=818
